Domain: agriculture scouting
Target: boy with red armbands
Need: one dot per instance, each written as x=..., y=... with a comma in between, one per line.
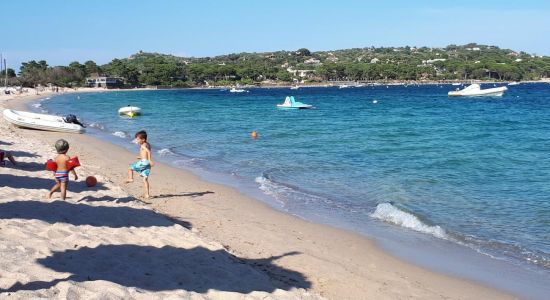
x=64, y=166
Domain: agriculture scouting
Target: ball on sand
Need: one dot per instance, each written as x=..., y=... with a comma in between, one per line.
x=91, y=181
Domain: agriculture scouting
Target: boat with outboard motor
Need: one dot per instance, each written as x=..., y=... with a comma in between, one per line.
x=42, y=121
x=291, y=103
x=475, y=90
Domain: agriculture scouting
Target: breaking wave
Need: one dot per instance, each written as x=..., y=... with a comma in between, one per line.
x=391, y=214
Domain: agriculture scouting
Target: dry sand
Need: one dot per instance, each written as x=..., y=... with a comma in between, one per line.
x=195, y=239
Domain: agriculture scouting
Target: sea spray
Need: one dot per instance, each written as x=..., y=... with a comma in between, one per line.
x=121, y=134
x=389, y=213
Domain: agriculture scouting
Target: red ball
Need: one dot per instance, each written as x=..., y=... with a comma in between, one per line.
x=91, y=181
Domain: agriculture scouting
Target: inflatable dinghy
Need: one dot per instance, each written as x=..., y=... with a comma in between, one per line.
x=41, y=121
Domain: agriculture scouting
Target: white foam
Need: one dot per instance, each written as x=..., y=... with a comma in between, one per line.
x=120, y=134
x=266, y=185
x=37, y=105
x=96, y=125
x=391, y=214
x=165, y=151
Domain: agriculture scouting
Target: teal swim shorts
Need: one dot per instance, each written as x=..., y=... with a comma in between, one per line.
x=143, y=167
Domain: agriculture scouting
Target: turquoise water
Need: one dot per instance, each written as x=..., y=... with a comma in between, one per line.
x=473, y=171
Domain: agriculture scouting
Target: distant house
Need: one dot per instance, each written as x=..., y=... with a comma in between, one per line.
x=105, y=81
x=431, y=61
x=300, y=73
x=374, y=60
x=312, y=61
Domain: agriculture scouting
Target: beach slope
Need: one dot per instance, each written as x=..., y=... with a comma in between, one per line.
x=195, y=239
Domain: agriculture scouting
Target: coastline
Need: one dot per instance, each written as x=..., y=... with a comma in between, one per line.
x=339, y=264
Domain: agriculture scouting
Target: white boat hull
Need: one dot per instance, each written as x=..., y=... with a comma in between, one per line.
x=234, y=90
x=475, y=92
x=136, y=111
x=40, y=121
x=305, y=106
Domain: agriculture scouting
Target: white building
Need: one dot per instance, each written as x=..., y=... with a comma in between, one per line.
x=312, y=61
x=104, y=81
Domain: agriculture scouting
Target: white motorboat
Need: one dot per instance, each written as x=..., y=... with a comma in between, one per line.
x=290, y=103
x=457, y=83
x=236, y=90
x=41, y=121
x=475, y=90
x=130, y=111
x=343, y=86
x=513, y=83
x=295, y=87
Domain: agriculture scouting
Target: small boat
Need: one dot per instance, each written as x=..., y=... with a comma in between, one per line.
x=513, y=83
x=343, y=86
x=290, y=103
x=475, y=90
x=41, y=121
x=130, y=111
x=457, y=83
x=295, y=87
x=236, y=90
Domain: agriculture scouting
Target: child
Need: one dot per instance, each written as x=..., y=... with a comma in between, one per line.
x=145, y=162
x=8, y=156
x=62, y=172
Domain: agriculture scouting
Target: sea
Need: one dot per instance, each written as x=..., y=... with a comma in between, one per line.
x=458, y=185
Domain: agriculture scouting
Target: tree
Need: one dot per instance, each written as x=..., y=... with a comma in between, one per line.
x=303, y=52
x=91, y=67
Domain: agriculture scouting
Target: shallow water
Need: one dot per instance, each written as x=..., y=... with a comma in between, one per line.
x=472, y=171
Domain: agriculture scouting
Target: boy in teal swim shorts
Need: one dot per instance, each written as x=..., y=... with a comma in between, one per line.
x=145, y=162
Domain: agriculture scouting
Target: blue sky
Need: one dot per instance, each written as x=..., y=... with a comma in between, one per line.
x=64, y=31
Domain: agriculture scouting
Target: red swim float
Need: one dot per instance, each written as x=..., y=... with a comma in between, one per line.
x=71, y=164
x=51, y=165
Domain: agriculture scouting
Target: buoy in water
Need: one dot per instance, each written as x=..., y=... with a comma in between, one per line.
x=374, y=101
x=254, y=135
x=131, y=114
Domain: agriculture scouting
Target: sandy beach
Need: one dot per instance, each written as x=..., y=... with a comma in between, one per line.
x=194, y=239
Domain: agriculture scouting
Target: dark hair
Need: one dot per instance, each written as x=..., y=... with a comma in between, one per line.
x=62, y=146
x=141, y=134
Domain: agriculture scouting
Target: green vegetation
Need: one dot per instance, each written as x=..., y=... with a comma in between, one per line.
x=466, y=62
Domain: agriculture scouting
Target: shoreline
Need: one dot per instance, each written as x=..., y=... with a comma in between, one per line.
x=339, y=263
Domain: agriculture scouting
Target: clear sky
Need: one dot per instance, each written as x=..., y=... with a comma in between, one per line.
x=64, y=31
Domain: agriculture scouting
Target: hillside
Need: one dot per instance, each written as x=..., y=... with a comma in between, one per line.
x=465, y=62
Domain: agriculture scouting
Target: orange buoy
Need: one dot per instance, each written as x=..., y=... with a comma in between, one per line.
x=254, y=135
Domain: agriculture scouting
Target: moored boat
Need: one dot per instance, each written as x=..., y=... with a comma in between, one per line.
x=475, y=90
x=291, y=103
x=236, y=90
x=130, y=111
x=41, y=121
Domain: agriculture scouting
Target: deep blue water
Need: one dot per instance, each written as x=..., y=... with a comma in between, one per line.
x=474, y=171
